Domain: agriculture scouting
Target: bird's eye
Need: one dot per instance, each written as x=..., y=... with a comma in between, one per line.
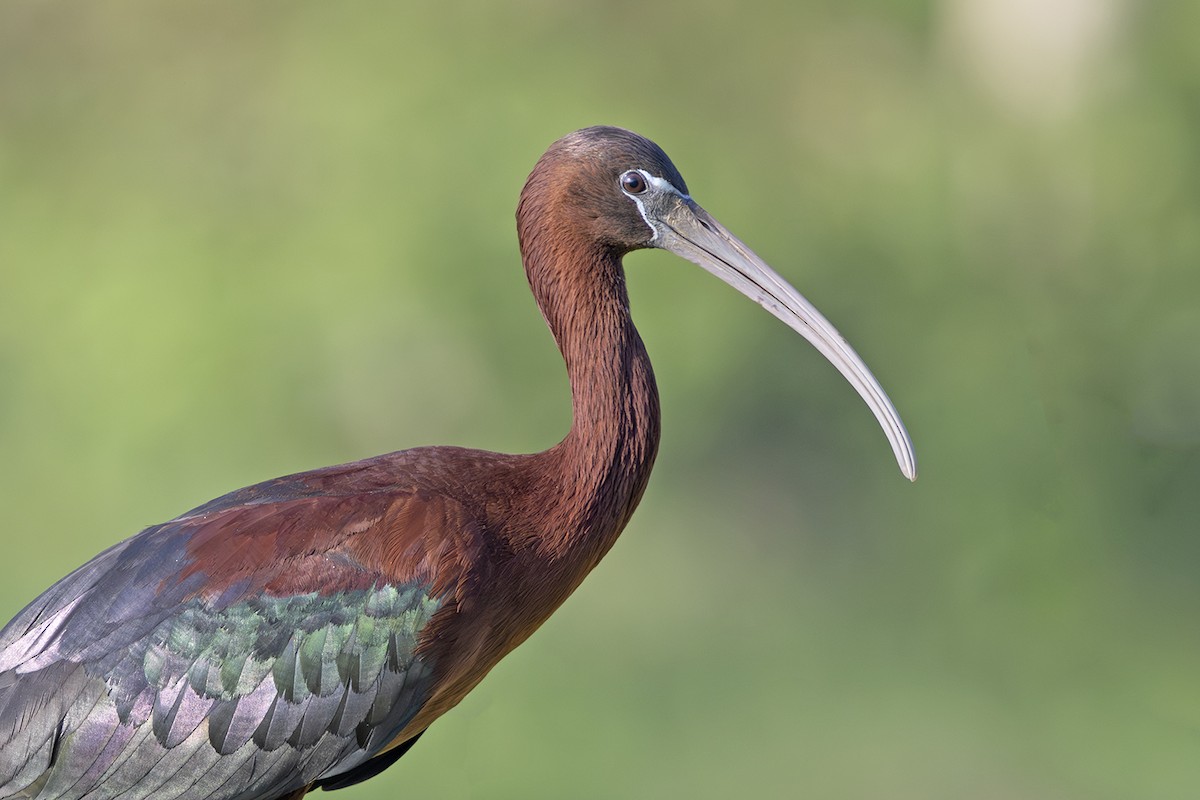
x=633, y=182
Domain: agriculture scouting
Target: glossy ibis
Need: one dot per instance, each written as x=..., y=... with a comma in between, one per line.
x=303, y=632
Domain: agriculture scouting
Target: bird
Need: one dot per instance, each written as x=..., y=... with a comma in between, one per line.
x=303, y=632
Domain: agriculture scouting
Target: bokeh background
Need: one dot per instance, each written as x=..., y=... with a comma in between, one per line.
x=243, y=239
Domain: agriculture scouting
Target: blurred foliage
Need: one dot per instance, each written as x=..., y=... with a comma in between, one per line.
x=243, y=239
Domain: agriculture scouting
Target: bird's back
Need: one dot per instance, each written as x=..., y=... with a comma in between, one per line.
x=264, y=642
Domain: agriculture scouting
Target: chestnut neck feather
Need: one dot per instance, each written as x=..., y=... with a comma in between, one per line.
x=602, y=466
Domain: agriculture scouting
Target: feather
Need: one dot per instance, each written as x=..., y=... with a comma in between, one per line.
x=225, y=654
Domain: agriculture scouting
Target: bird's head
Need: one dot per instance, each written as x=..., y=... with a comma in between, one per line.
x=610, y=191
x=608, y=184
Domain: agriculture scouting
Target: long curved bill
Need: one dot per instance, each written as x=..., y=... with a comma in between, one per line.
x=688, y=230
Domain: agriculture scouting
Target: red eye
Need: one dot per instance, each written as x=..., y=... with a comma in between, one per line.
x=633, y=182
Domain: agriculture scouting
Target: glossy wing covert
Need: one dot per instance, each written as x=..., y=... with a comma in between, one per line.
x=148, y=673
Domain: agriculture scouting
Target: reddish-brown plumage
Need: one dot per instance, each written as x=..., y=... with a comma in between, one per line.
x=507, y=537
x=377, y=593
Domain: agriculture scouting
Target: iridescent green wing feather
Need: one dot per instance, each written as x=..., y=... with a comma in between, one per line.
x=128, y=679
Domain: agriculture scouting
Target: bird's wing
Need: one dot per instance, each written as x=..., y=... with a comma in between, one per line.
x=241, y=652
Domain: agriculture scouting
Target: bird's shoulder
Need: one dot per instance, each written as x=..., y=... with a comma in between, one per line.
x=389, y=520
x=289, y=613
x=401, y=517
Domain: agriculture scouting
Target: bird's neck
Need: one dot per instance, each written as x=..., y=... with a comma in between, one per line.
x=604, y=462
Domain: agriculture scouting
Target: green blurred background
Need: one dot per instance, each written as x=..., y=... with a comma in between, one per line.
x=243, y=239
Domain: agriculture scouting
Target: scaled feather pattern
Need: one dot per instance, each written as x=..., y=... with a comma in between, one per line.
x=126, y=679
